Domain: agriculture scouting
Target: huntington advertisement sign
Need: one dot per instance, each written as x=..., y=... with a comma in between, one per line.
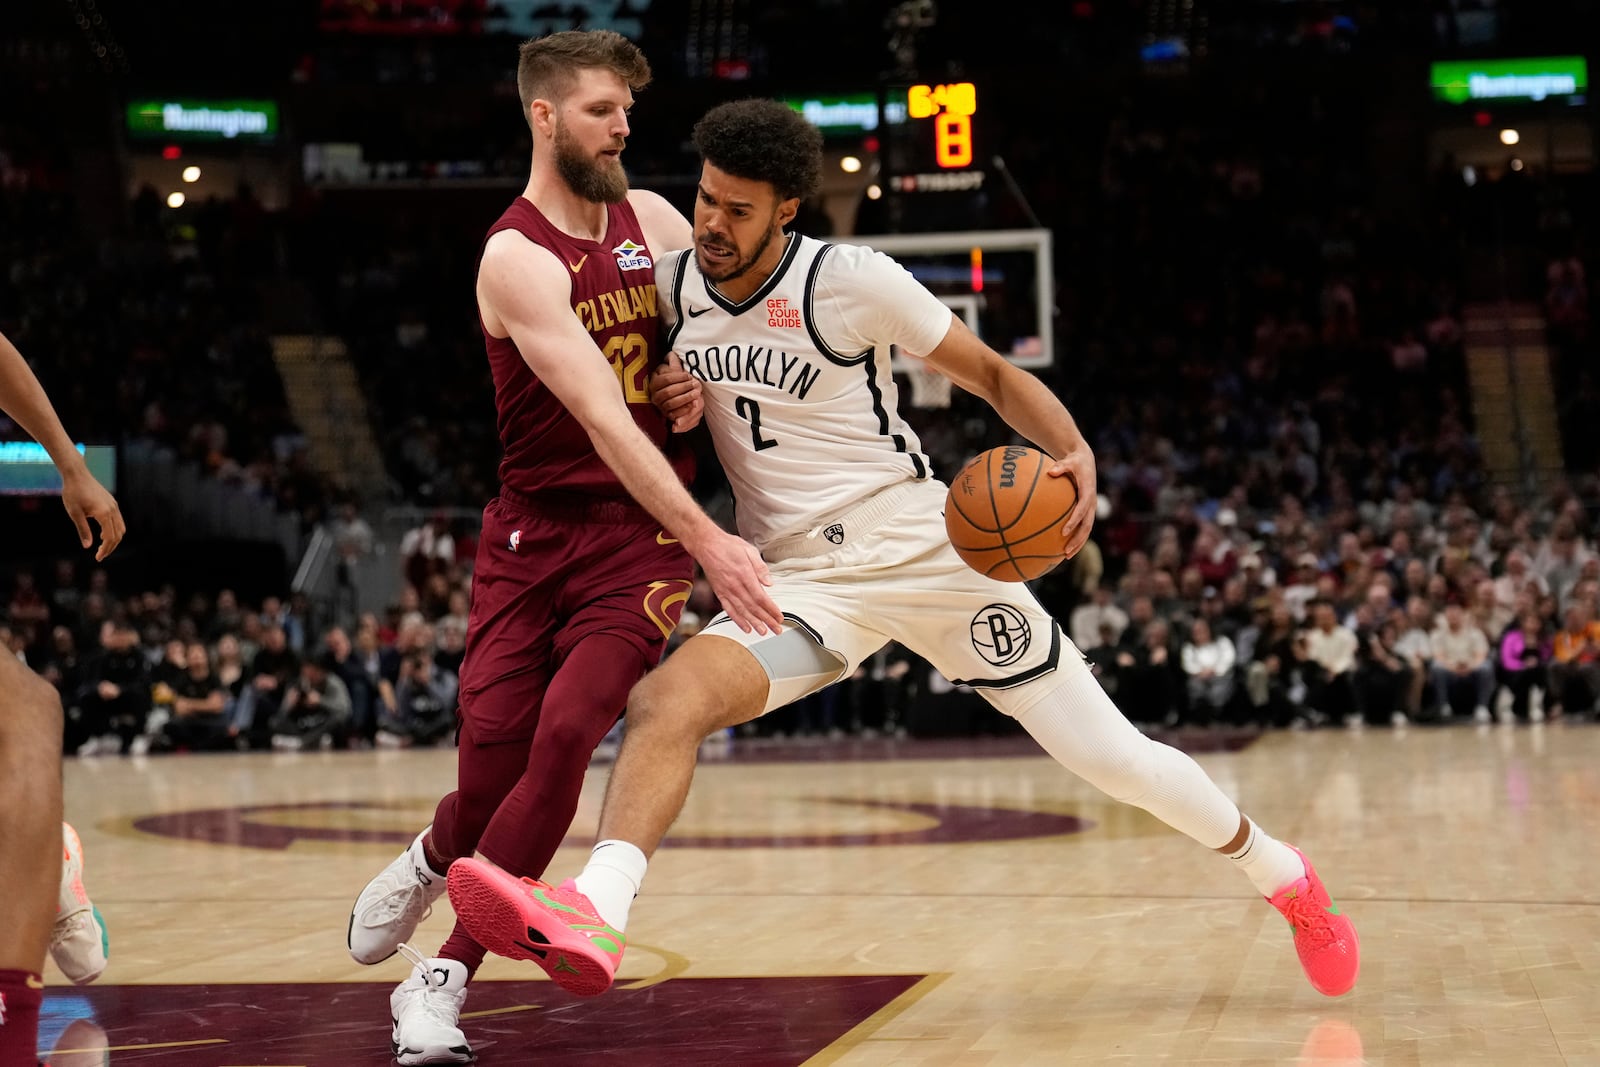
x=1475, y=81
x=204, y=120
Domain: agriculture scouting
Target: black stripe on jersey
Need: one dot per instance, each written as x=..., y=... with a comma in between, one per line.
x=867, y=358
x=1029, y=675
x=883, y=414
x=790, y=250
x=675, y=294
x=810, y=320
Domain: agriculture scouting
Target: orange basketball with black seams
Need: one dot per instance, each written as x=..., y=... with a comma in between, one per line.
x=1004, y=513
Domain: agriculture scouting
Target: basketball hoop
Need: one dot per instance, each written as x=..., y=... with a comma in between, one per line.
x=929, y=388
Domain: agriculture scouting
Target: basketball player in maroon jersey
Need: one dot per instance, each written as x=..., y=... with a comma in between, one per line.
x=31, y=876
x=585, y=562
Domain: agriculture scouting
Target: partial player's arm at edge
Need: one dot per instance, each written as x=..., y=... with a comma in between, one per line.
x=1029, y=407
x=24, y=399
x=522, y=293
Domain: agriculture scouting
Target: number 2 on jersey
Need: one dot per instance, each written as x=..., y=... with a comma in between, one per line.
x=629, y=357
x=751, y=411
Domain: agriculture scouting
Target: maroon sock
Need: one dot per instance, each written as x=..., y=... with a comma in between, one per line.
x=460, y=946
x=20, y=995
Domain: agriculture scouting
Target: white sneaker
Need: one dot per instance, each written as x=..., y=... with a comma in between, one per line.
x=78, y=941
x=1399, y=719
x=390, y=907
x=426, y=1009
x=1480, y=714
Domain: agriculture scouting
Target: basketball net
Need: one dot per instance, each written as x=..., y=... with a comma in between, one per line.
x=929, y=388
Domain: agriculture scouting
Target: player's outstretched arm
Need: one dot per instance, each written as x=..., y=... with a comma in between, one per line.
x=23, y=398
x=1029, y=407
x=522, y=289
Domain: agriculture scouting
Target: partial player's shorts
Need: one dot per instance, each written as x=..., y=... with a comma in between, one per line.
x=884, y=571
x=551, y=571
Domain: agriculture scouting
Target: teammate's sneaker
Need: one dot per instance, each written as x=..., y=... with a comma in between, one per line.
x=525, y=919
x=426, y=1010
x=78, y=941
x=1324, y=938
x=390, y=907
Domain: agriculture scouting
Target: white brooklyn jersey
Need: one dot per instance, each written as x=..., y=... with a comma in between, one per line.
x=799, y=396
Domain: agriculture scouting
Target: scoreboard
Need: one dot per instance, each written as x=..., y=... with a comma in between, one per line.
x=937, y=146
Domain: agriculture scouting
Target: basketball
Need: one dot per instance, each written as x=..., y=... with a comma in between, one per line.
x=1004, y=513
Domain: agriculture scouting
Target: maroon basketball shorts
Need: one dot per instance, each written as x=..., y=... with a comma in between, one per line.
x=550, y=573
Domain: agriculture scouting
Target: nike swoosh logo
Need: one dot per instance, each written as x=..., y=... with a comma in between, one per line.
x=695, y=313
x=576, y=267
x=663, y=539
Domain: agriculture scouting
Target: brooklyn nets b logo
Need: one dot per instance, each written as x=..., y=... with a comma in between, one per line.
x=1001, y=634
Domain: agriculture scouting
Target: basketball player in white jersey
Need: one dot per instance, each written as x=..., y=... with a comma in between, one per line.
x=786, y=340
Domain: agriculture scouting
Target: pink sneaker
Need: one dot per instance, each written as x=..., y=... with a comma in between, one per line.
x=1323, y=936
x=525, y=919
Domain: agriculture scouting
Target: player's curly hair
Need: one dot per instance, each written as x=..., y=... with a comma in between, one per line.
x=763, y=141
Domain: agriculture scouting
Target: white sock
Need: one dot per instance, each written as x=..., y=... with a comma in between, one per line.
x=1270, y=864
x=611, y=880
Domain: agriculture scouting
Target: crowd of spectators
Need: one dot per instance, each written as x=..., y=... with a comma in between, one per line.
x=1296, y=525
x=156, y=336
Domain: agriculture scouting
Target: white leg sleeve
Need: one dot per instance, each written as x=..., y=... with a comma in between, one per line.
x=1078, y=725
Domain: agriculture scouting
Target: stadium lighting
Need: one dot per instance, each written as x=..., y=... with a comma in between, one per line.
x=849, y=164
x=1509, y=137
x=1516, y=164
x=191, y=174
x=874, y=191
x=175, y=199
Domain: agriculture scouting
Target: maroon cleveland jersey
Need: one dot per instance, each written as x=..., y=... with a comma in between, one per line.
x=614, y=296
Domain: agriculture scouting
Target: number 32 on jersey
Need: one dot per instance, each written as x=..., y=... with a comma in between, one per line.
x=630, y=358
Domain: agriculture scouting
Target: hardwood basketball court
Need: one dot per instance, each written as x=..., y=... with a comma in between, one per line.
x=878, y=903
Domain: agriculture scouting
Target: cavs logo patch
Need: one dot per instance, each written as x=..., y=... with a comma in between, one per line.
x=631, y=256
x=663, y=603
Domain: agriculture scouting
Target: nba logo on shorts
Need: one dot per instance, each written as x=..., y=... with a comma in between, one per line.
x=834, y=533
x=1001, y=634
x=516, y=540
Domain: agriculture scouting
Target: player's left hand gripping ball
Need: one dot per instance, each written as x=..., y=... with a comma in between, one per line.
x=1079, y=466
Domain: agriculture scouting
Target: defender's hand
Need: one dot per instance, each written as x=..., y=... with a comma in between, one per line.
x=739, y=577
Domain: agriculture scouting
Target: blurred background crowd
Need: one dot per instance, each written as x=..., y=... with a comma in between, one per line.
x=1291, y=302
